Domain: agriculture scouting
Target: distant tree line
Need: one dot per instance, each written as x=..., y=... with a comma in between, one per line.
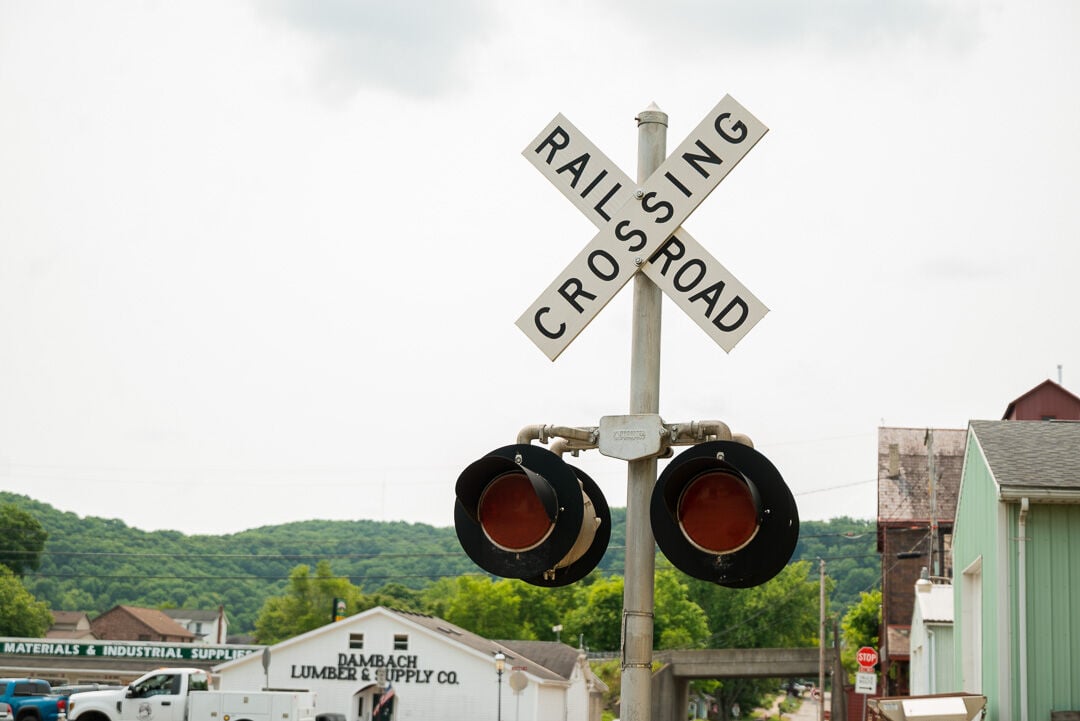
x=93, y=564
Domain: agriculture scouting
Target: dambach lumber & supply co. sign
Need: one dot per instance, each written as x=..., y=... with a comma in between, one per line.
x=402, y=668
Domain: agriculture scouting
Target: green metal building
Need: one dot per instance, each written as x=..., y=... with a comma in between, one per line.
x=1016, y=554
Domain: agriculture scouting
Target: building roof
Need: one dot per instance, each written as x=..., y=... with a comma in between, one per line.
x=1032, y=456
x=904, y=473
x=898, y=641
x=70, y=624
x=515, y=651
x=936, y=604
x=552, y=655
x=191, y=614
x=68, y=618
x=1047, y=387
x=154, y=619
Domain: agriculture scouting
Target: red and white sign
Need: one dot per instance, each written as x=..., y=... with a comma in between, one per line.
x=866, y=657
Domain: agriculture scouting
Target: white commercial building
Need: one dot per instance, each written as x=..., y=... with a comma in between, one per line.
x=436, y=671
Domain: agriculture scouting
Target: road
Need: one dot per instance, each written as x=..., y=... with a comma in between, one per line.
x=807, y=711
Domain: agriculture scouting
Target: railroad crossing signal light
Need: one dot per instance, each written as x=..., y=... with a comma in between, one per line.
x=521, y=512
x=721, y=512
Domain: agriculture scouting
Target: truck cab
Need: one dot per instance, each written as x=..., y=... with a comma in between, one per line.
x=156, y=696
x=162, y=696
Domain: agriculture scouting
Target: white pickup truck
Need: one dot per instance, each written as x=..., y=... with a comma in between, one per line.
x=183, y=694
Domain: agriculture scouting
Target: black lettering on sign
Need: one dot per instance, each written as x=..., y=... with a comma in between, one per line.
x=610, y=275
x=686, y=274
x=710, y=295
x=540, y=326
x=695, y=161
x=558, y=140
x=736, y=303
x=623, y=234
x=739, y=128
x=649, y=207
x=590, y=186
x=575, y=167
x=675, y=181
x=672, y=250
x=695, y=264
x=599, y=207
x=572, y=288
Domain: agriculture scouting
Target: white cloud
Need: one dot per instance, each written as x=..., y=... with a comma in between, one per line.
x=411, y=46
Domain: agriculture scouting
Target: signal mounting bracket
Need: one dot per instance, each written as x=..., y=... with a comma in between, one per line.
x=632, y=437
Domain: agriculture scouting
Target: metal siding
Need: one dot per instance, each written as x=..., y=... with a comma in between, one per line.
x=1053, y=616
x=976, y=534
x=944, y=679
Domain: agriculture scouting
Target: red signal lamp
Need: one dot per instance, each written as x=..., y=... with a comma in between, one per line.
x=521, y=512
x=722, y=513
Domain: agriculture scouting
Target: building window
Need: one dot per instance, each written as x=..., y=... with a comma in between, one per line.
x=356, y=640
x=401, y=642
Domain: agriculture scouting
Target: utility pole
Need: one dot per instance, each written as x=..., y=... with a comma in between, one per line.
x=821, y=641
x=932, y=471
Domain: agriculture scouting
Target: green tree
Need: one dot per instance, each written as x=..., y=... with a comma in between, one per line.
x=21, y=614
x=777, y=614
x=395, y=595
x=598, y=620
x=22, y=539
x=679, y=622
x=860, y=627
x=307, y=604
x=488, y=608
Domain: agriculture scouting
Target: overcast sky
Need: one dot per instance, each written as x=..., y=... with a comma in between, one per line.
x=262, y=262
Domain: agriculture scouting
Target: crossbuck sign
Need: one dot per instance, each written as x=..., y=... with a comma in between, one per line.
x=639, y=229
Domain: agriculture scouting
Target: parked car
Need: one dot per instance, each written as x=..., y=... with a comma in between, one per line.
x=796, y=687
x=31, y=699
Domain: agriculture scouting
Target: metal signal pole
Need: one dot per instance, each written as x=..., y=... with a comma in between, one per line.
x=637, y=620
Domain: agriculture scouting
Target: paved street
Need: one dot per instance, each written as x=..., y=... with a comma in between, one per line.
x=807, y=711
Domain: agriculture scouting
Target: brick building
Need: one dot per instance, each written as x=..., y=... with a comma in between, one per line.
x=918, y=484
x=131, y=623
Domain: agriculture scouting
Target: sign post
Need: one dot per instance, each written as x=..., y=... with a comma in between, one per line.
x=641, y=474
x=866, y=679
x=639, y=229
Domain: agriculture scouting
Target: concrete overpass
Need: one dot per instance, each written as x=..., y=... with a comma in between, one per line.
x=671, y=683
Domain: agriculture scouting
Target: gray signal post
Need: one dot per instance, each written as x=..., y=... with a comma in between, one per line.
x=638, y=578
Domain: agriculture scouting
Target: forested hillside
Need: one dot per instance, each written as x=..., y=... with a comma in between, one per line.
x=92, y=564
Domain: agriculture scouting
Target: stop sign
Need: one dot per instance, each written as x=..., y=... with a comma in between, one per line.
x=866, y=657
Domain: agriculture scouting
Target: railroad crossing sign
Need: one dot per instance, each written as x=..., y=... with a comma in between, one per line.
x=639, y=229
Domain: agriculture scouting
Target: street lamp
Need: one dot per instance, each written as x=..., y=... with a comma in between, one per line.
x=500, y=664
